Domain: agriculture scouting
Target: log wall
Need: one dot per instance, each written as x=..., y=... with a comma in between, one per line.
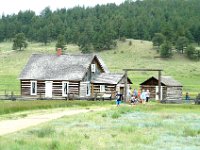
x=109, y=89
x=56, y=88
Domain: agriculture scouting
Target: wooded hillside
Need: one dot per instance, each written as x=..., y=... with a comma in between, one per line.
x=100, y=25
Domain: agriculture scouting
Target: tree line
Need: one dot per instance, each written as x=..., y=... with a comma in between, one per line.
x=97, y=28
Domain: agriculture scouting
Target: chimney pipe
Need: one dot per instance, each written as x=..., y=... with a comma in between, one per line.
x=59, y=51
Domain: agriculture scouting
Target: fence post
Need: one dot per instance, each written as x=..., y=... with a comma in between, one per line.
x=12, y=96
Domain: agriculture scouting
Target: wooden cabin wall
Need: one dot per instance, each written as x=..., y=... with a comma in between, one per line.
x=89, y=74
x=109, y=89
x=25, y=87
x=152, y=90
x=56, y=89
x=174, y=94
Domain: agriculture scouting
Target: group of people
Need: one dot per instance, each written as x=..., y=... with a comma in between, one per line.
x=135, y=97
x=140, y=97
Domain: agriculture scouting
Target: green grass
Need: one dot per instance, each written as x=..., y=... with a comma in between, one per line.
x=8, y=107
x=139, y=55
x=140, y=127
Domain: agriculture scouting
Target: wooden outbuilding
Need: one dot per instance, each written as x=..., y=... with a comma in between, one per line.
x=54, y=76
x=171, y=90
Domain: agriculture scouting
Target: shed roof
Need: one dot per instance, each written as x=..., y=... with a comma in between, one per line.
x=53, y=67
x=109, y=78
x=166, y=80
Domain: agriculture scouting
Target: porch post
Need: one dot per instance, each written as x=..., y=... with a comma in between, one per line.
x=159, y=85
x=126, y=88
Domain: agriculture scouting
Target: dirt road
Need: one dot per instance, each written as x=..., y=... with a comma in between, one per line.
x=13, y=125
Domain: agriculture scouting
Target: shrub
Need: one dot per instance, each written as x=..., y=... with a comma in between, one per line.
x=54, y=145
x=116, y=115
x=190, y=132
x=104, y=115
x=123, y=39
x=43, y=132
x=130, y=43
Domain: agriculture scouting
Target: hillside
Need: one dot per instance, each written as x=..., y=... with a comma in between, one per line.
x=99, y=26
x=139, y=55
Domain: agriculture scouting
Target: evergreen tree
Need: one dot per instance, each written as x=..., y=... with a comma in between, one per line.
x=190, y=52
x=61, y=42
x=19, y=42
x=44, y=35
x=166, y=50
x=158, y=39
x=181, y=44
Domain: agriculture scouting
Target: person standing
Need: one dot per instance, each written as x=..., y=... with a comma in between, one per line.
x=143, y=96
x=147, y=95
x=119, y=98
x=139, y=96
x=135, y=93
x=187, y=97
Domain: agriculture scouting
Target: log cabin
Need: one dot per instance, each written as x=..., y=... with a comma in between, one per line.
x=171, y=90
x=80, y=76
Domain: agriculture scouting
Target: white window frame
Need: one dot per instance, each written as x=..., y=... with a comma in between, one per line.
x=63, y=91
x=102, y=88
x=88, y=88
x=93, y=67
x=32, y=88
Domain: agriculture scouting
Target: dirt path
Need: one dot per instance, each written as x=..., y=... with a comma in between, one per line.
x=13, y=125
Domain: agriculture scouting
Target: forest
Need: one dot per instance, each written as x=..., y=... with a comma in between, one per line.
x=97, y=28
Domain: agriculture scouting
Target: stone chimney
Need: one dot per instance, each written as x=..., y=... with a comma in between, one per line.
x=59, y=51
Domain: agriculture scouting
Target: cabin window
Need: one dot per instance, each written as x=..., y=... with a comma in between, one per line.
x=88, y=89
x=65, y=88
x=93, y=67
x=33, y=87
x=102, y=88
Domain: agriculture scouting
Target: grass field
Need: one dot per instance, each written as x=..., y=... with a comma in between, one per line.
x=152, y=126
x=8, y=107
x=139, y=55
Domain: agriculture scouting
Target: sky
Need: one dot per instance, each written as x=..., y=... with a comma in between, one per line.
x=14, y=6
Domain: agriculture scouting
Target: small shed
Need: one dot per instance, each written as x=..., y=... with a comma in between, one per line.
x=109, y=83
x=171, y=90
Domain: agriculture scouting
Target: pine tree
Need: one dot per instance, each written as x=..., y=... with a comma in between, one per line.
x=61, y=42
x=19, y=42
x=166, y=50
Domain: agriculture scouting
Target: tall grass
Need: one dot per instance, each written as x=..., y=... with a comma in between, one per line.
x=16, y=106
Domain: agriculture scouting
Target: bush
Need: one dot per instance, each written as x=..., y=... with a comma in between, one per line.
x=130, y=43
x=43, y=132
x=116, y=115
x=123, y=39
x=104, y=115
x=190, y=52
x=190, y=132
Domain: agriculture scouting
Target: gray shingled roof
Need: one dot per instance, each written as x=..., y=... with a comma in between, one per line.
x=167, y=80
x=53, y=67
x=103, y=65
x=109, y=78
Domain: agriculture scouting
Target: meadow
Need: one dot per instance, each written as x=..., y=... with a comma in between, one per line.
x=9, y=107
x=152, y=126
x=140, y=54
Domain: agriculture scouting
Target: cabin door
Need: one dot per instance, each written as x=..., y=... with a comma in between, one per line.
x=85, y=89
x=48, y=89
x=157, y=91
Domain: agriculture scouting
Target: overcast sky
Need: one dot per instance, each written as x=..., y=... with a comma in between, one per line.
x=14, y=6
